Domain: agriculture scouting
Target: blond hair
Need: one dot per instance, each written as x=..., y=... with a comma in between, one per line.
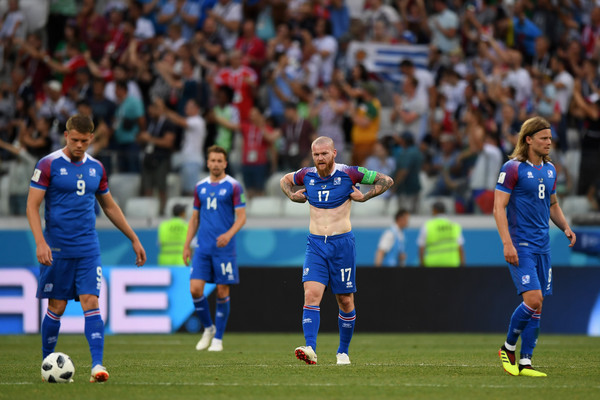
x=529, y=128
x=323, y=140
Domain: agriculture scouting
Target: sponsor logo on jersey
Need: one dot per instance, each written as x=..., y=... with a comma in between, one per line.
x=79, y=176
x=36, y=175
x=550, y=173
x=501, y=177
x=337, y=180
x=529, y=175
x=92, y=172
x=48, y=287
x=312, y=182
x=222, y=192
x=63, y=171
x=525, y=279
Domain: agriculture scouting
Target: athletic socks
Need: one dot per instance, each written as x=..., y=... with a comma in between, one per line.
x=223, y=306
x=50, y=328
x=94, y=333
x=346, y=326
x=529, y=336
x=311, y=318
x=203, y=311
x=518, y=322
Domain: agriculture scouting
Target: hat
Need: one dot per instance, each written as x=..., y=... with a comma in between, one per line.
x=55, y=85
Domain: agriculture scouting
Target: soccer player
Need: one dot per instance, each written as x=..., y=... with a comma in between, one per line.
x=70, y=181
x=330, y=250
x=219, y=211
x=524, y=202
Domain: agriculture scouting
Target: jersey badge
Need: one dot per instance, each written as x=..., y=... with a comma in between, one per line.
x=550, y=173
x=525, y=279
x=203, y=190
x=63, y=171
x=541, y=180
x=36, y=175
x=312, y=182
x=501, y=177
x=337, y=180
x=529, y=175
x=222, y=192
x=79, y=176
x=305, y=272
x=93, y=172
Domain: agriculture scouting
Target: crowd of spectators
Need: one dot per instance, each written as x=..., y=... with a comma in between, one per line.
x=164, y=79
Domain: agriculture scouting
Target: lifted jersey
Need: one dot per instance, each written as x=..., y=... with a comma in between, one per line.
x=71, y=189
x=216, y=203
x=333, y=190
x=528, y=210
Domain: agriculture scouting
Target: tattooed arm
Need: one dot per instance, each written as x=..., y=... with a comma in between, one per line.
x=381, y=183
x=287, y=184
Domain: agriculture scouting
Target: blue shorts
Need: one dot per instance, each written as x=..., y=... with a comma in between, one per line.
x=331, y=260
x=68, y=278
x=221, y=269
x=533, y=273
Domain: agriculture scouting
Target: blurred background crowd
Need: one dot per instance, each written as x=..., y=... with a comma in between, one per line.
x=432, y=93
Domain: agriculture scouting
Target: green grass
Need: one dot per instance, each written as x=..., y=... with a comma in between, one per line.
x=253, y=366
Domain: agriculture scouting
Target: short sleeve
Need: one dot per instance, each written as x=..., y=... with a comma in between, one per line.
x=41, y=174
x=386, y=242
x=509, y=174
x=299, y=176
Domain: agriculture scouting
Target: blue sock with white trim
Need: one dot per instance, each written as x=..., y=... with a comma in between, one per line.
x=518, y=322
x=530, y=335
x=222, y=314
x=346, y=325
x=94, y=333
x=50, y=328
x=311, y=318
x=203, y=311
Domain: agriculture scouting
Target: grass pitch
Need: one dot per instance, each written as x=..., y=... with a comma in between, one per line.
x=253, y=366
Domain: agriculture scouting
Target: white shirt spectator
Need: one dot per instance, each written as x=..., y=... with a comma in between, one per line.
x=194, y=135
x=447, y=19
x=230, y=11
x=564, y=94
x=418, y=104
x=133, y=90
x=328, y=44
x=485, y=171
x=144, y=29
x=521, y=81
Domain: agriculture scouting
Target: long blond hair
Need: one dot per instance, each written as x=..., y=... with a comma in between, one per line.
x=529, y=128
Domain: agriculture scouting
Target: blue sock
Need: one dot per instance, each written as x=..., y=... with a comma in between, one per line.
x=223, y=306
x=94, y=333
x=518, y=322
x=530, y=335
x=346, y=325
x=50, y=328
x=311, y=318
x=203, y=311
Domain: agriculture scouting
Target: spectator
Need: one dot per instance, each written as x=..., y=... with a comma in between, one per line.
x=298, y=134
x=326, y=47
x=441, y=241
x=443, y=27
x=241, y=79
x=228, y=15
x=442, y=164
x=13, y=26
x=330, y=110
x=378, y=11
x=279, y=89
x=252, y=47
x=227, y=118
x=158, y=142
x=409, y=110
x=258, y=140
x=409, y=161
x=171, y=238
x=183, y=13
x=525, y=31
x=129, y=122
x=57, y=108
x=391, y=249
x=366, y=118
x=36, y=139
x=192, y=146
x=339, y=17
x=19, y=174
x=121, y=73
x=563, y=82
x=93, y=29
x=382, y=161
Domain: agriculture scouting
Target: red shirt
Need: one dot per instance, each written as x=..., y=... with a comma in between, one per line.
x=252, y=49
x=241, y=80
x=256, y=146
x=70, y=79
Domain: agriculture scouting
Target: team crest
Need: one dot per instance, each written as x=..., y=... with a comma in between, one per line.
x=525, y=279
x=63, y=171
x=93, y=172
x=203, y=190
x=337, y=180
x=312, y=182
x=79, y=176
x=529, y=175
x=222, y=192
x=550, y=174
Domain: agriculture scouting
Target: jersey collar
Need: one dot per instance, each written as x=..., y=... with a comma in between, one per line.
x=66, y=157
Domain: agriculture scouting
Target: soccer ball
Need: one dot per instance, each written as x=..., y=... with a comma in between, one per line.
x=57, y=368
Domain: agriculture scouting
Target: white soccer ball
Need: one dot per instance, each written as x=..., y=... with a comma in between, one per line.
x=58, y=368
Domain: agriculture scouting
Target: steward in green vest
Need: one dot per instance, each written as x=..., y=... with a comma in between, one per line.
x=441, y=241
x=171, y=238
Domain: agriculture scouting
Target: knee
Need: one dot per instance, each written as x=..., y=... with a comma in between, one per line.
x=535, y=303
x=222, y=291
x=312, y=297
x=346, y=303
x=196, y=291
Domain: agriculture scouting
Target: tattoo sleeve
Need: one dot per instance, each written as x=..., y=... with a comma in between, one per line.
x=381, y=183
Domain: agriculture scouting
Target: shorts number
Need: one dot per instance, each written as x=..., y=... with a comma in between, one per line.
x=226, y=268
x=211, y=203
x=542, y=191
x=99, y=277
x=347, y=277
x=80, y=187
x=325, y=195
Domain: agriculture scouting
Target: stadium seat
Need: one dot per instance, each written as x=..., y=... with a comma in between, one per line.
x=142, y=207
x=272, y=187
x=374, y=207
x=571, y=205
x=124, y=186
x=188, y=201
x=264, y=206
x=292, y=209
x=173, y=185
x=426, y=203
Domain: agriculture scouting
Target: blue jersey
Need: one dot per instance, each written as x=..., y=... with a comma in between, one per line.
x=528, y=211
x=71, y=189
x=216, y=203
x=333, y=190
